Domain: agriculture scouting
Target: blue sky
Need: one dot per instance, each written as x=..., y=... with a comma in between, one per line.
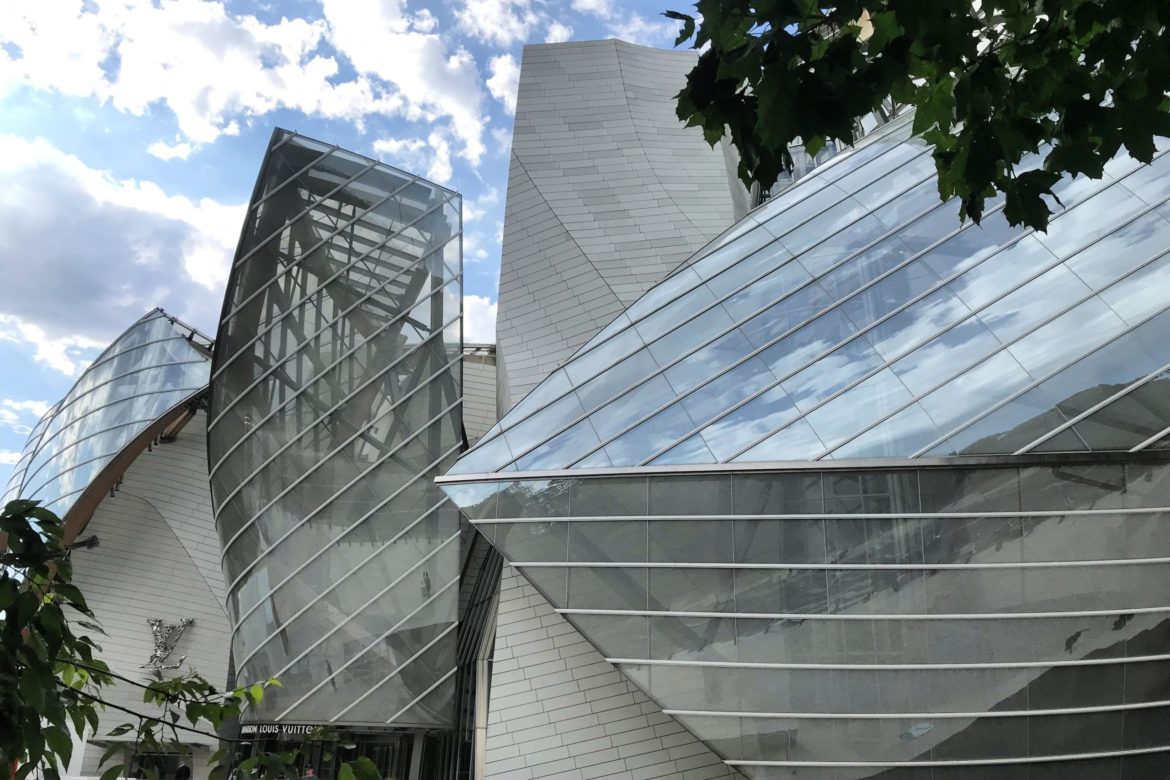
x=132, y=131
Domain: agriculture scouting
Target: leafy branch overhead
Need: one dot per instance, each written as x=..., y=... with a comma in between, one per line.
x=1011, y=94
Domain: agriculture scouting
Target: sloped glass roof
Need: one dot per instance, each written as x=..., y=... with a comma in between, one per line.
x=157, y=364
x=855, y=316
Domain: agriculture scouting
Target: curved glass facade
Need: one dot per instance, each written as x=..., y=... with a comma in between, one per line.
x=335, y=402
x=854, y=316
x=977, y=587
x=156, y=365
x=825, y=620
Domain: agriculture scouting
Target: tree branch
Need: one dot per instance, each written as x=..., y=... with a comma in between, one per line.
x=140, y=716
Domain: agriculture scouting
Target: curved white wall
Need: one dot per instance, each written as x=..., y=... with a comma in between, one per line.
x=157, y=557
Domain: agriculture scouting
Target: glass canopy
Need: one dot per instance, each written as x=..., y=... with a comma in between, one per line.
x=156, y=365
x=855, y=316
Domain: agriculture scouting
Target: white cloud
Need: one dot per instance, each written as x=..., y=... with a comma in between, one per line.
x=602, y=8
x=479, y=320
x=214, y=69
x=558, y=33
x=430, y=157
x=107, y=250
x=383, y=41
x=8, y=457
x=504, y=81
x=164, y=151
x=638, y=29
x=21, y=416
x=501, y=22
x=477, y=207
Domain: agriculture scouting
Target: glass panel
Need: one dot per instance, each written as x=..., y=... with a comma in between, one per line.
x=1080, y=226
x=899, y=436
x=939, y=359
x=797, y=441
x=858, y=407
x=756, y=418
x=1016, y=313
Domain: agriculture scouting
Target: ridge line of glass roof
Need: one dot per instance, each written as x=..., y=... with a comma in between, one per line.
x=1056, y=662
x=154, y=314
x=1058, y=758
x=309, y=383
x=324, y=459
x=295, y=306
x=915, y=397
x=902, y=463
x=940, y=285
x=818, y=715
x=793, y=257
x=586, y=349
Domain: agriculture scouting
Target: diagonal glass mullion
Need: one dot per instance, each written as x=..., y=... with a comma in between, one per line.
x=422, y=695
x=307, y=210
x=220, y=369
x=437, y=419
x=296, y=305
x=891, y=232
x=377, y=640
x=110, y=402
x=316, y=377
x=776, y=240
x=941, y=284
x=358, y=215
x=973, y=315
x=128, y=399
x=57, y=475
x=1122, y=393
x=1093, y=293
x=131, y=372
x=325, y=458
x=348, y=266
x=1034, y=384
x=280, y=187
x=1152, y=440
x=316, y=422
x=353, y=570
x=325, y=416
x=398, y=670
x=360, y=609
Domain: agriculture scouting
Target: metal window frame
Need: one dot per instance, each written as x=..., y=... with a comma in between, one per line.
x=909, y=617
x=1061, y=662
x=361, y=431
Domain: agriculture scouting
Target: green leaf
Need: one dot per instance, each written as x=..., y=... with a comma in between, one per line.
x=60, y=744
x=113, y=772
x=364, y=769
x=346, y=772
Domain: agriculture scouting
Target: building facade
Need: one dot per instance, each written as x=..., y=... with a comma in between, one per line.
x=860, y=490
x=607, y=193
x=122, y=460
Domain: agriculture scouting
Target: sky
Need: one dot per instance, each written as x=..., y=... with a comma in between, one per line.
x=131, y=133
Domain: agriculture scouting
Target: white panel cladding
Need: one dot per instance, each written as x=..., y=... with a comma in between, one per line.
x=157, y=557
x=607, y=193
x=559, y=711
x=479, y=392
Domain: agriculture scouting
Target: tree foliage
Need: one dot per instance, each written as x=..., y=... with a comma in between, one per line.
x=993, y=84
x=53, y=683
